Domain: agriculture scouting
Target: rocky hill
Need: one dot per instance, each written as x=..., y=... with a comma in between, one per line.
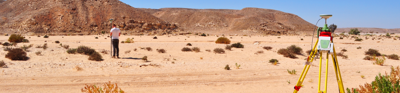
x=76, y=17
x=247, y=20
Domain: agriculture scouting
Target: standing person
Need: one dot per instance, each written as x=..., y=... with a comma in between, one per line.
x=115, y=33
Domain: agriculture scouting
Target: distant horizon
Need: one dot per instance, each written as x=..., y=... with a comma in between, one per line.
x=376, y=14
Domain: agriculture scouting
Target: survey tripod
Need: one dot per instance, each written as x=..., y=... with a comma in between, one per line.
x=324, y=44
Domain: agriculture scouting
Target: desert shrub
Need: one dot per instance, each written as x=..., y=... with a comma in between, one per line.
x=7, y=48
x=95, y=56
x=149, y=49
x=293, y=72
x=359, y=47
x=45, y=36
x=128, y=40
x=6, y=44
x=2, y=64
x=122, y=41
x=228, y=47
x=196, y=49
x=340, y=37
x=267, y=47
x=354, y=31
x=71, y=51
x=25, y=40
x=16, y=54
x=368, y=58
x=344, y=50
x=295, y=49
x=358, y=39
x=160, y=50
x=237, y=45
x=203, y=35
x=393, y=56
x=219, y=50
x=107, y=88
x=379, y=61
x=227, y=67
x=15, y=38
x=65, y=46
x=286, y=53
x=96, y=37
x=188, y=44
x=186, y=49
x=25, y=47
x=85, y=50
x=155, y=37
x=372, y=52
x=237, y=66
x=44, y=46
x=381, y=84
x=273, y=60
x=38, y=53
x=223, y=40
x=144, y=58
x=57, y=42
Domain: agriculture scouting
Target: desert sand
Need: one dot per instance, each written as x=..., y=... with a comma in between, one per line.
x=185, y=72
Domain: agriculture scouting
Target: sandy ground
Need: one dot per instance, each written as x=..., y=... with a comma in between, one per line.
x=185, y=72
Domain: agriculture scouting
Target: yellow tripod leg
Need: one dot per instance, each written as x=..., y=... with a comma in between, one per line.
x=319, y=75
x=337, y=71
x=326, y=72
x=305, y=69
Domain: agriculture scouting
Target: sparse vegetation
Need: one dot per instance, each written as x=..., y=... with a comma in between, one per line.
x=160, y=50
x=188, y=44
x=286, y=53
x=17, y=54
x=15, y=38
x=93, y=55
x=6, y=44
x=65, y=46
x=293, y=72
x=45, y=36
x=85, y=50
x=359, y=47
x=382, y=84
x=7, y=48
x=71, y=51
x=358, y=39
x=354, y=31
x=39, y=53
x=57, y=42
x=372, y=52
x=144, y=58
x=107, y=88
x=186, y=49
x=149, y=49
x=223, y=40
x=203, y=35
x=267, y=47
x=129, y=40
x=295, y=49
x=380, y=61
x=44, y=46
x=2, y=64
x=228, y=47
x=227, y=67
x=273, y=60
x=237, y=66
x=196, y=49
x=219, y=50
x=237, y=45
x=393, y=56
x=25, y=47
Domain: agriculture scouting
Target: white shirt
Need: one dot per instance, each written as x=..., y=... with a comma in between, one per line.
x=115, y=33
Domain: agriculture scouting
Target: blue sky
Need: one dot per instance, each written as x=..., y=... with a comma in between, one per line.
x=346, y=13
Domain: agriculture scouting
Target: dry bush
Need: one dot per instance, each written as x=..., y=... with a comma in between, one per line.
x=208, y=50
x=295, y=49
x=44, y=46
x=186, y=49
x=7, y=48
x=237, y=45
x=382, y=83
x=85, y=50
x=71, y=51
x=6, y=44
x=16, y=54
x=308, y=52
x=39, y=53
x=65, y=46
x=358, y=39
x=267, y=47
x=144, y=58
x=219, y=50
x=223, y=40
x=196, y=49
x=379, y=61
x=57, y=42
x=368, y=58
x=149, y=49
x=95, y=56
x=77, y=68
x=273, y=60
x=393, y=56
x=188, y=44
x=160, y=50
x=259, y=52
x=344, y=50
x=2, y=64
x=45, y=36
x=228, y=47
x=15, y=38
x=286, y=53
x=372, y=52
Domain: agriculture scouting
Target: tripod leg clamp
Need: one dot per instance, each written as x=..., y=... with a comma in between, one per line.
x=297, y=88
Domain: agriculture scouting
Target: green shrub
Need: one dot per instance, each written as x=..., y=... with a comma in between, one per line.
x=372, y=52
x=237, y=45
x=71, y=51
x=382, y=84
x=293, y=72
x=354, y=31
x=227, y=67
x=273, y=60
x=85, y=50
x=358, y=39
x=223, y=40
x=16, y=54
x=393, y=56
x=45, y=36
x=186, y=49
x=95, y=56
x=128, y=40
x=219, y=50
x=15, y=38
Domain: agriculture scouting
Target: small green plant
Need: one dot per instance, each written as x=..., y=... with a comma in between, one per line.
x=288, y=81
x=354, y=31
x=237, y=45
x=186, y=49
x=380, y=61
x=358, y=39
x=103, y=32
x=293, y=72
x=362, y=76
x=219, y=50
x=273, y=60
x=128, y=40
x=237, y=66
x=227, y=67
x=223, y=40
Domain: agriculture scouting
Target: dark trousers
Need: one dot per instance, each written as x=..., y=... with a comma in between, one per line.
x=115, y=43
